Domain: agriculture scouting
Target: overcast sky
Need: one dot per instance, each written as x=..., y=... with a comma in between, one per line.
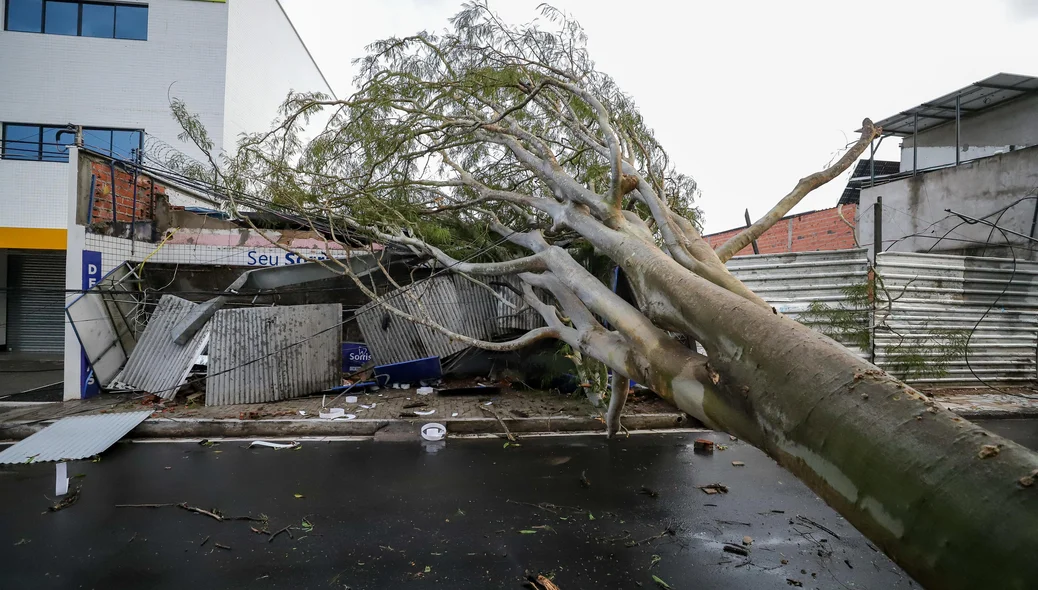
x=746, y=96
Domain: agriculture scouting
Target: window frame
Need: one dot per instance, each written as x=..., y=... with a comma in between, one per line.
x=79, y=22
x=41, y=154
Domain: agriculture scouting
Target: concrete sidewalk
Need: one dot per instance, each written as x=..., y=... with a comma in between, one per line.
x=390, y=412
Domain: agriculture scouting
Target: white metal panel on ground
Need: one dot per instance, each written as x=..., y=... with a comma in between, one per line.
x=158, y=364
x=795, y=282
x=264, y=354
x=930, y=301
x=75, y=437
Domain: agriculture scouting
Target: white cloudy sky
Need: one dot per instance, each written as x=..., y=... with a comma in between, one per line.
x=748, y=96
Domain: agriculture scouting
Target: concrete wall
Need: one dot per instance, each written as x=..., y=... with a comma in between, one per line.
x=1014, y=124
x=55, y=80
x=265, y=60
x=916, y=205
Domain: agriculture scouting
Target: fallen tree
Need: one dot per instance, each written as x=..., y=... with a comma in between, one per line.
x=500, y=150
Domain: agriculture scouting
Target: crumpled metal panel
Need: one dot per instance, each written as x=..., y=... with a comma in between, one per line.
x=158, y=364
x=72, y=438
x=512, y=318
x=102, y=319
x=390, y=338
x=928, y=297
x=437, y=300
x=792, y=282
x=265, y=354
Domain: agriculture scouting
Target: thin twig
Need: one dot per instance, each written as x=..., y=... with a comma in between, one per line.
x=219, y=546
x=204, y=541
x=809, y=521
x=508, y=434
x=275, y=535
x=200, y=511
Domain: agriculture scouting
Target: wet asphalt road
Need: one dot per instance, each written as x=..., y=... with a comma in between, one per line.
x=408, y=515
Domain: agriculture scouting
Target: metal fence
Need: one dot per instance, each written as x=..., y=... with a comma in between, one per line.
x=811, y=287
x=928, y=305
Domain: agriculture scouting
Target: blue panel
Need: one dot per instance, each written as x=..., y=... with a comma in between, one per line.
x=131, y=22
x=98, y=21
x=354, y=356
x=25, y=15
x=22, y=142
x=411, y=372
x=62, y=18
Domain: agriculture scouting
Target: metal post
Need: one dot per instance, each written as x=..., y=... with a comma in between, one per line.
x=915, y=143
x=958, y=128
x=877, y=229
x=756, y=250
x=872, y=163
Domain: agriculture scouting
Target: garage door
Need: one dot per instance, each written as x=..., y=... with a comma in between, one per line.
x=36, y=302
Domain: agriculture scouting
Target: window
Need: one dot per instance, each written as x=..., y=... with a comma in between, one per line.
x=85, y=19
x=46, y=143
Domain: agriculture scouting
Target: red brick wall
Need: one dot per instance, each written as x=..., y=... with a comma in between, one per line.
x=813, y=231
x=102, y=210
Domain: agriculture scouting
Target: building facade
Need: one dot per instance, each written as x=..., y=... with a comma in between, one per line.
x=111, y=70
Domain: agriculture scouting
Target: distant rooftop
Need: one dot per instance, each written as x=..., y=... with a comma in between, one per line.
x=862, y=175
x=975, y=98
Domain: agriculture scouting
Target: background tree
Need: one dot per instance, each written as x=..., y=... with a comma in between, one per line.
x=501, y=150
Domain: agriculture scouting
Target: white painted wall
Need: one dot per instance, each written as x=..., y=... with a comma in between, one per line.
x=55, y=79
x=991, y=132
x=916, y=205
x=265, y=60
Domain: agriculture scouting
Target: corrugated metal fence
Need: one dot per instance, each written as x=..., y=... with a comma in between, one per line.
x=927, y=305
x=809, y=286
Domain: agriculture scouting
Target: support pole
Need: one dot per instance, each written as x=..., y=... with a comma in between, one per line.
x=877, y=229
x=915, y=143
x=756, y=250
x=958, y=127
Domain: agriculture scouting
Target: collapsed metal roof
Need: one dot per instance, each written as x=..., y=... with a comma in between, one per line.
x=973, y=99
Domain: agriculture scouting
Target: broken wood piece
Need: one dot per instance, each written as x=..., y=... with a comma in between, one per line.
x=815, y=524
x=730, y=548
x=703, y=445
x=508, y=434
x=738, y=464
x=715, y=488
x=221, y=546
x=200, y=511
x=284, y=530
x=541, y=583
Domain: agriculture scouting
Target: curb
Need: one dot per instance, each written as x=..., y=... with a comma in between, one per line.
x=314, y=427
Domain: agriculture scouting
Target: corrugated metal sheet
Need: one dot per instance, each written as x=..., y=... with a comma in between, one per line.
x=264, y=354
x=158, y=364
x=36, y=302
x=390, y=338
x=793, y=282
x=512, y=320
x=934, y=299
x=76, y=437
x=478, y=305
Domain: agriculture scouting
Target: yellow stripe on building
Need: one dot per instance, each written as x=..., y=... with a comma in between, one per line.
x=32, y=238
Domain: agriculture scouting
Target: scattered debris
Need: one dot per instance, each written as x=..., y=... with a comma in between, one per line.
x=407, y=415
x=848, y=562
x=454, y=414
x=22, y=542
x=1028, y=480
x=987, y=451
x=221, y=546
x=540, y=583
x=204, y=541
x=287, y=529
x=424, y=390
x=738, y=464
x=793, y=582
x=333, y=413
x=703, y=445
x=274, y=445
x=714, y=488
x=508, y=434
x=655, y=560
x=207, y=443
x=425, y=412
x=527, y=532
x=815, y=524
x=520, y=413
x=648, y=492
x=661, y=583
x=747, y=541
x=434, y=431
x=731, y=548
x=414, y=405
x=299, y=496
x=350, y=399
x=732, y=437
x=584, y=481
x=70, y=499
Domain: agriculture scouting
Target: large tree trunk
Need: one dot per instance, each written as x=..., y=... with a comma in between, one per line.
x=950, y=502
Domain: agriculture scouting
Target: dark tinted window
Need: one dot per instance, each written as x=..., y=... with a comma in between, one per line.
x=21, y=142
x=55, y=140
x=62, y=18
x=24, y=15
x=131, y=22
x=98, y=140
x=98, y=20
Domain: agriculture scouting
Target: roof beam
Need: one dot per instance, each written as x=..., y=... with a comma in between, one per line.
x=1004, y=87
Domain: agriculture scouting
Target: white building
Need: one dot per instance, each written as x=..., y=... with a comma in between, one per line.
x=112, y=69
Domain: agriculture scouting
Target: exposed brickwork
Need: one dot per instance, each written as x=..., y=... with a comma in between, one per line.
x=811, y=232
x=124, y=184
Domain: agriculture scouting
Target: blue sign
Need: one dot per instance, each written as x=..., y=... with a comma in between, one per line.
x=91, y=276
x=354, y=356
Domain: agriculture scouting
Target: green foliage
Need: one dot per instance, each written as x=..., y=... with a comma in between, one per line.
x=921, y=356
